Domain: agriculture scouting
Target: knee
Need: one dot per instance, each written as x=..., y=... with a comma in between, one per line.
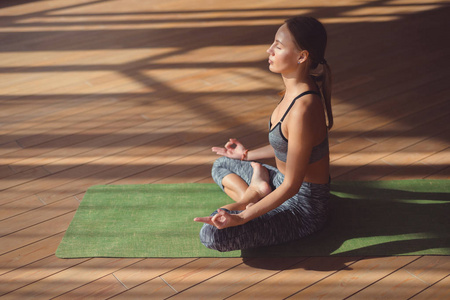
x=220, y=163
x=220, y=170
x=210, y=237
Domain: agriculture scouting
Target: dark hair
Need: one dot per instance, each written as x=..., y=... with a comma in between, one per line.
x=310, y=35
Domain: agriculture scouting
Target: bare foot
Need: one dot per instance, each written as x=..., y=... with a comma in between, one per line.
x=260, y=180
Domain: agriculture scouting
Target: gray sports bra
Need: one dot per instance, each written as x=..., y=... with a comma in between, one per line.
x=280, y=143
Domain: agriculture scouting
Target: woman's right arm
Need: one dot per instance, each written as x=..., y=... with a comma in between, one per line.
x=261, y=153
x=234, y=149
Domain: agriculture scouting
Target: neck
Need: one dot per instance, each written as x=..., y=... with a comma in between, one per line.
x=297, y=82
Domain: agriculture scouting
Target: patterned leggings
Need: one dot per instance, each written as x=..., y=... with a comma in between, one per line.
x=297, y=217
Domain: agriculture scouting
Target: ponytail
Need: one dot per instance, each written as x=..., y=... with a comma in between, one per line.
x=326, y=93
x=323, y=83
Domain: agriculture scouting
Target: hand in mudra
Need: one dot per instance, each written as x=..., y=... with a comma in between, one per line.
x=221, y=220
x=233, y=149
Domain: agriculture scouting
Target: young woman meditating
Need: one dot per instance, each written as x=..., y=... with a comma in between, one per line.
x=278, y=205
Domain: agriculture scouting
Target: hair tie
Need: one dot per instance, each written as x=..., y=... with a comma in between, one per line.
x=323, y=62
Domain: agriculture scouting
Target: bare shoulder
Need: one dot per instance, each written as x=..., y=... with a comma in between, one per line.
x=308, y=106
x=306, y=120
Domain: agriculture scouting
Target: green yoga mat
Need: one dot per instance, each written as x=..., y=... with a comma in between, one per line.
x=379, y=218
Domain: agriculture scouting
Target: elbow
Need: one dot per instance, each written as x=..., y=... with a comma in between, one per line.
x=292, y=184
x=291, y=189
x=292, y=192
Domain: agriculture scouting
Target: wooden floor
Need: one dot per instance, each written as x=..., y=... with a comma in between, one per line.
x=132, y=91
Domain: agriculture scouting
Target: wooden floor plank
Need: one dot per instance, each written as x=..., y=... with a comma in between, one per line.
x=409, y=280
x=417, y=153
x=393, y=163
x=17, y=207
x=296, y=278
x=439, y=290
x=35, y=233
x=441, y=174
x=229, y=282
x=360, y=274
x=33, y=272
x=389, y=103
x=22, y=160
x=137, y=274
x=343, y=167
x=102, y=288
x=19, y=178
x=30, y=253
x=157, y=288
x=103, y=132
x=178, y=279
x=378, y=128
x=429, y=167
x=48, y=131
x=38, y=215
x=71, y=278
x=203, y=269
x=48, y=111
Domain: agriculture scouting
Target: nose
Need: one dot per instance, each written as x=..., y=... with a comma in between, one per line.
x=269, y=50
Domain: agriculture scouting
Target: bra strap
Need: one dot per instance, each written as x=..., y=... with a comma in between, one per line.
x=293, y=102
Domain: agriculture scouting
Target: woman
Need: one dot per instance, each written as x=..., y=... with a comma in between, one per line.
x=278, y=205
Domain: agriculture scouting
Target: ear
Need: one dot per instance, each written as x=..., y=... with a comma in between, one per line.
x=303, y=56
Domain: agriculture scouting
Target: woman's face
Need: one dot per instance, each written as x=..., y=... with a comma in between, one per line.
x=284, y=54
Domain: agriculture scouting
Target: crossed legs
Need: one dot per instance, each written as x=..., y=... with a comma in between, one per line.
x=246, y=184
x=244, y=194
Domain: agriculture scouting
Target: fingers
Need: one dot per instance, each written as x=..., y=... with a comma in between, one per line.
x=229, y=149
x=235, y=141
x=230, y=145
x=218, y=150
x=221, y=219
x=206, y=220
x=211, y=220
